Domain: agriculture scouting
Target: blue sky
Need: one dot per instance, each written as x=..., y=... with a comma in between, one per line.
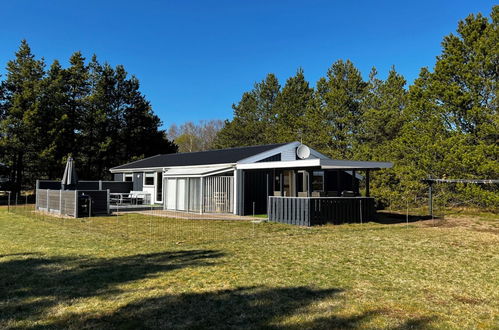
x=195, y=58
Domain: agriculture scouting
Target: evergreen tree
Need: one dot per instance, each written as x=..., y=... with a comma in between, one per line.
x=253, y=117
x=452, y=120
x=94, y=112
x=289, y=109
x=21, y=115
x=333, y=121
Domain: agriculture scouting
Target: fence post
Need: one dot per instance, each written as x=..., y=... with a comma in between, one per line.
x=60, y=201
x=76, y=204
x=48, y=204
x=89, y=206
x=108, y=201
x=407, y=214
x=8, y=205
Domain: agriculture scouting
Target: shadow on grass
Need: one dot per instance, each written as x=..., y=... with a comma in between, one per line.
x=31, y=285
x=389, y=218
x=241, y=308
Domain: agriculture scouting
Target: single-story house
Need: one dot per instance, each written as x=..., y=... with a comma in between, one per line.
x=241, y=180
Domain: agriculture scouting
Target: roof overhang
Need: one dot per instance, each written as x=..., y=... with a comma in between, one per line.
x=327, y=164
x=353, y=164
x=195, y=171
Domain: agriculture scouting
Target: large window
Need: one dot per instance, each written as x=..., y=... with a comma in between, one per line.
x=318, y=181
x=148, y=179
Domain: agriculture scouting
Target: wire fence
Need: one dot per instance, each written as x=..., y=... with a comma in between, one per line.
x=153, y=225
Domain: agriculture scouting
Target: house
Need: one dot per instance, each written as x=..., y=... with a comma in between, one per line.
x=241, y=180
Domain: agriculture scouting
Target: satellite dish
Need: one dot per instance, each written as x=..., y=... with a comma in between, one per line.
x=303, y=152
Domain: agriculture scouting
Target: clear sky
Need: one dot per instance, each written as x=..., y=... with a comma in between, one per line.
x=195, y=58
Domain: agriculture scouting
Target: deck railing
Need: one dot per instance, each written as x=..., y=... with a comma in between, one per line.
x=309, y=211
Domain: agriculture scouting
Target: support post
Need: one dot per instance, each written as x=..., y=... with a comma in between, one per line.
x=236, y=191
x=368, y=179
x=430, y=198
x=281, y=183
x=338, y=179
x=201, y=196
x=310, y=176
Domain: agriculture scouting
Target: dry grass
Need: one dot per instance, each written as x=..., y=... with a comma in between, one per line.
x=141, y=272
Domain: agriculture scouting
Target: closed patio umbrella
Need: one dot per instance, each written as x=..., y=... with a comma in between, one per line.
x=69, y=178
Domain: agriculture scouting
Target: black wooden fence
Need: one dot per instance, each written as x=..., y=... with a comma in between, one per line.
x=309, y=211
x=113, y=186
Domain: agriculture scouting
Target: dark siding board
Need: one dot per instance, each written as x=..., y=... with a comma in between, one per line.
x=255, y=190
x=273, y=158
x=118, y=177
x=99, y=200
x=87, y=185
x=49, y=184
x=117, y=186
x=138, y=181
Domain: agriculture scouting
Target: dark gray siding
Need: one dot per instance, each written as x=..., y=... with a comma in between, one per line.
x=118, y=176
x=138, y=181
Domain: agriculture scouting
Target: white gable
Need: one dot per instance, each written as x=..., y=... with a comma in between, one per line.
x=287, y=151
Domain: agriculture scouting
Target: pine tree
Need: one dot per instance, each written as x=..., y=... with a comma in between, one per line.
x=333, y=121
x=289, y=109
x=253, y=117
x=21, y=115
x=383, y=114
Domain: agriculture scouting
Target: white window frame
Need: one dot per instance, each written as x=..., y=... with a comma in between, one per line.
x=149, y=174
x=127, y=175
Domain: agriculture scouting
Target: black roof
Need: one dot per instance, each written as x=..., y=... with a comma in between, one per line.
x=222, y=156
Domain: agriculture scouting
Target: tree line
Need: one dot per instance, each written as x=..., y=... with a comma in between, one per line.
x=446, y=124
x=191, y=136
x=93, y=111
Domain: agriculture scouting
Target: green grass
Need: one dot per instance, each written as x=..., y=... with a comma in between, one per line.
x=134, y=271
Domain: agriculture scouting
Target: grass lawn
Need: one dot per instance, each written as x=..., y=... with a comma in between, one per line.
x=134, y=271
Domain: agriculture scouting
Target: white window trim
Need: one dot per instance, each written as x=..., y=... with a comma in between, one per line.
x=127, y=175
x=149, y=174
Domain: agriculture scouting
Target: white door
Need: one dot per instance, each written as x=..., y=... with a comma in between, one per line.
x=171, y=193
x=181, y=192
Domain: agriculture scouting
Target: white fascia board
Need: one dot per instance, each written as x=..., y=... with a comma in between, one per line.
x=314, y=162
x=133, y=170
x=202, y=170
x=268, y=153
x=162, y=168
x=353, y=164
